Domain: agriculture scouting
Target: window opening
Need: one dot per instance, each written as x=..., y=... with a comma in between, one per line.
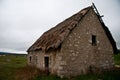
x=30, y=58
x=94, y=41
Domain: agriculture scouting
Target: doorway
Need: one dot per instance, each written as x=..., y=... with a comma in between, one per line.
x=46, y=60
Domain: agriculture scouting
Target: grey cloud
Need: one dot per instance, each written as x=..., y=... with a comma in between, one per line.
x=23, y=21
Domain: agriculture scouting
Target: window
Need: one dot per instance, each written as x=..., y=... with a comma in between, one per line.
x=94, y=41
x=30, y=58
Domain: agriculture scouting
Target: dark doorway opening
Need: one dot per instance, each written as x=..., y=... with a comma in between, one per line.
x=46, y=60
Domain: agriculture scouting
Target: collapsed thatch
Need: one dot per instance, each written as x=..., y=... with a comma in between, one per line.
x=54, y=37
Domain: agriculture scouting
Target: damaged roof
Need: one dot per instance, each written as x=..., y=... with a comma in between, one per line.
x=54, y=37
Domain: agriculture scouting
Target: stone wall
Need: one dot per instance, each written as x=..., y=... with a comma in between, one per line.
x=78, y=55
x=37, y=60
x=77, y=52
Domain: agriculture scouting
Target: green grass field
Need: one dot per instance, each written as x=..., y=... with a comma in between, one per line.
x=9, y=64
x=12, y=66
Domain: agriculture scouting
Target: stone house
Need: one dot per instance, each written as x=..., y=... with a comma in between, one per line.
x=75, y=46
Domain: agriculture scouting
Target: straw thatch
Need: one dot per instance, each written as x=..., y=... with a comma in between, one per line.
x=54, y=37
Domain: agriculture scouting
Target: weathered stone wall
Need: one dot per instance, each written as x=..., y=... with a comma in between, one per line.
x=37, y=59
x=55, y=62
x=78, y=54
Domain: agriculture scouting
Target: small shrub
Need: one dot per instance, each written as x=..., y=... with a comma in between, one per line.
x=28, y=73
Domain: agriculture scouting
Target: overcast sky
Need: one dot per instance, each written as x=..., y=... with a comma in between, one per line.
x=22, y=22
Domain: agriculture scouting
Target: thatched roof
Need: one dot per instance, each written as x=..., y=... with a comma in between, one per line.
x=54, y=37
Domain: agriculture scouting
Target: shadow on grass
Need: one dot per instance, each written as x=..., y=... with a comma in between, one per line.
x=32, y=73
x=106, y=75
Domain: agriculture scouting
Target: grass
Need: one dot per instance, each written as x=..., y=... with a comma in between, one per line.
x=9, y=64
x=27, y=73
x=117, y=59
x=108, y=75
x=13, y=67
x=49, y=77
